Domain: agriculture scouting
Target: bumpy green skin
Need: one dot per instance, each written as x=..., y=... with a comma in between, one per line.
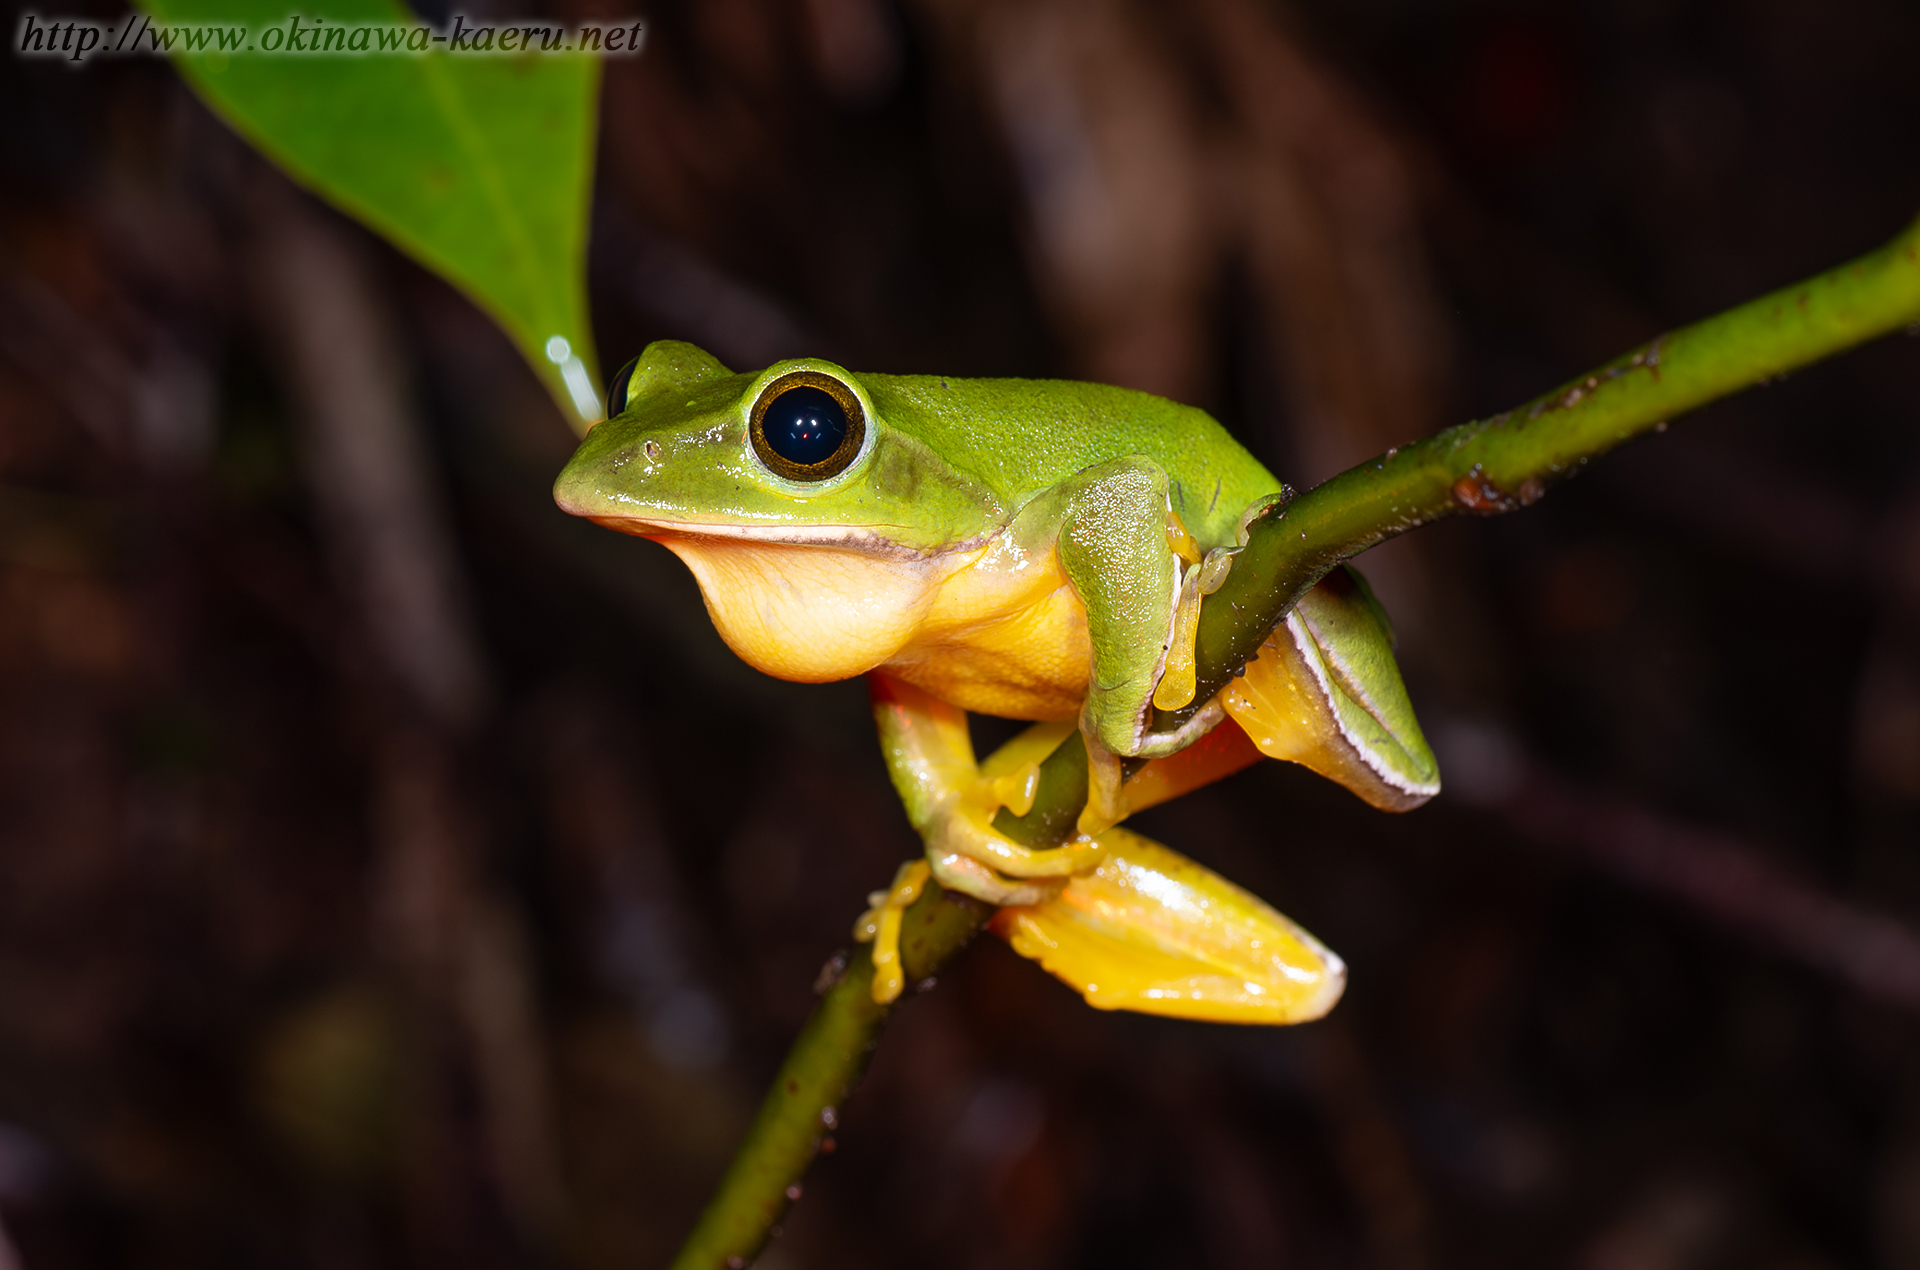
x=1086, y=470
x=953, y=459
x=1368, y=700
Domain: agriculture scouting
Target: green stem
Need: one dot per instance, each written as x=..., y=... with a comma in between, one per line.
x=802, y=1107
x=803, y=1104
x=1485, y=468
x=1500, y=464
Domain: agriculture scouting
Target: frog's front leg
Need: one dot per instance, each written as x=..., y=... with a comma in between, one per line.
x=951, y=802
x=1116, y=544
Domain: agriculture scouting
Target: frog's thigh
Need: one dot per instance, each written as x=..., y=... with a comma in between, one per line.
x=928, y=749
x=1113, y=548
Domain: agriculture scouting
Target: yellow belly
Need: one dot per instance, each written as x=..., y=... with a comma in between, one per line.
x=1004, y=634
x=996, y=630
x=1029, y=661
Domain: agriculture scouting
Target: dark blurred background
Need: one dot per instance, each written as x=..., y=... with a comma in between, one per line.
x=394, y=872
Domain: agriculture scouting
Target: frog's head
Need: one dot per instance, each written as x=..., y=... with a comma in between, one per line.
x=817, y=525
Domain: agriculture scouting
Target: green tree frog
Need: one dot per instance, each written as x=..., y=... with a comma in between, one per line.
x=1024, y=548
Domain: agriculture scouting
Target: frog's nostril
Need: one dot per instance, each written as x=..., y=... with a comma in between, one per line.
x=652, y=450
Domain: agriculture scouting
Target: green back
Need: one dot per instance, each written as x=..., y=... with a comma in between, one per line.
x=951, y=459
x=1020, y=437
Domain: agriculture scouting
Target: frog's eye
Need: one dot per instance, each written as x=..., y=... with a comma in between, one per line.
x=617, y=388
x=808, y=426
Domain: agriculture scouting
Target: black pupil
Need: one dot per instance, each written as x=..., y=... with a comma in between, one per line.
x=804, y=425
x=617, y=390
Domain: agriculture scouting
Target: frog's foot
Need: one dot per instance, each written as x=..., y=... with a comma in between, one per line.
x=1178, y=670
x=880, y=925
x=1179, y=674
x=967, y=875
x=968, y=855
x=1161, y=744
x=1107, y=801
x=1107, y=797
x=1129, y=734
x=966, y=830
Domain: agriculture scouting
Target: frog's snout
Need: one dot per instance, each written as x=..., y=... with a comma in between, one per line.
x=587, y=485
x=580, y=489
x=563, y=497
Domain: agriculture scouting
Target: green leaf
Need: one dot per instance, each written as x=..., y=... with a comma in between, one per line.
x=478, y=166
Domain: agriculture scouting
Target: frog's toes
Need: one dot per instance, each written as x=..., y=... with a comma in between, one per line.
x=969, y=876
x=967, y=830
x=1161, y=744
x=1107, y=803
x=880, y=925
x=1017, y=789
x=1109, y=799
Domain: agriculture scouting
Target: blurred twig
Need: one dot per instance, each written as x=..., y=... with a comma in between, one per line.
x=1718, y=874
x=457, y=939
x=1486, y=467
x=1728, y=880
x=371, y=475
x=709, y=307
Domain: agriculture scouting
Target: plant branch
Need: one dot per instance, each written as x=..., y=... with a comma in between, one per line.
x=801, y=1110
x=1507, y=462
x=1484, y=468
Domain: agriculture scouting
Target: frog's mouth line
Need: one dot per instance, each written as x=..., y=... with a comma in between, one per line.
x=862, y=539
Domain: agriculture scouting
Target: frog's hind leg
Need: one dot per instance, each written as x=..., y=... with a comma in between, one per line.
x=1325, y=693
x=952, y=801
x=880, y=924
x=962, y=873
x=967, y=831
